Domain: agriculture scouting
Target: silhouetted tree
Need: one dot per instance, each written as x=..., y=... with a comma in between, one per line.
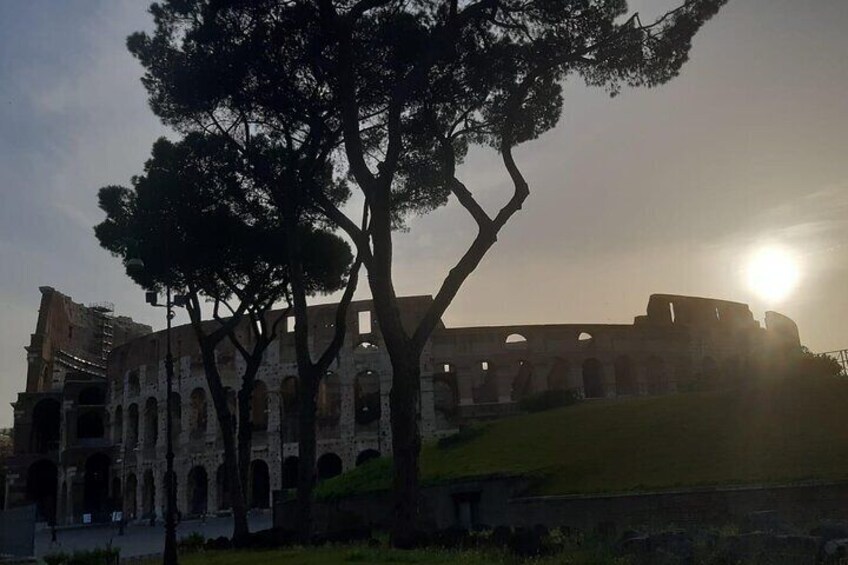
x=200, y=224
x=409, y=87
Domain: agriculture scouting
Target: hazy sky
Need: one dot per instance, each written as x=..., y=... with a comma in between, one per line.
x=669, y=190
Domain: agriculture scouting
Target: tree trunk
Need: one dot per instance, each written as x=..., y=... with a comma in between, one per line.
x=241, y=529
x=406, y=447
x=245, y=435
x=307, y=439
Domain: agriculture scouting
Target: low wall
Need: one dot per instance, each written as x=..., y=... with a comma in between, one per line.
x=497, y=501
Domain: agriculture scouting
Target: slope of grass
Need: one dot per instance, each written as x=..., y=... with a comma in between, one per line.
x=769, y=433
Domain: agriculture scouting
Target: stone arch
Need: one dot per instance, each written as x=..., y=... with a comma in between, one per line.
x=558, y=375
x=329, y=402
x=133, y=386
x=118, y=425
x=224, y=488
x=259, y=406
x=366, y=456
x=289, y=396
x=290, y=471
x=46, y=422
x=199, y=413
x=656, y=376
x=260, y=484
x=42, y=483
x=96, y=485
x=90, y=425
x=148, y=494
x=485, y=388
x=151, y=422
x=132, y=425
x=625, y=377
x=445, y=399
x=91, y=396
x=130, y=510
x=366, y=401
x=593, y=378
x=522, y=384
x=197, y=493
x=328, y=466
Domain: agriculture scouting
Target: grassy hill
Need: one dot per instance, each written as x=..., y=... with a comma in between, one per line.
x=778, y=432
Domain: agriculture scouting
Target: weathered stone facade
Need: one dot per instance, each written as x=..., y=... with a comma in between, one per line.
x=467, y=373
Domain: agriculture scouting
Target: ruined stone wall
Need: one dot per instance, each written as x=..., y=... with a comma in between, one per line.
x=467, y=373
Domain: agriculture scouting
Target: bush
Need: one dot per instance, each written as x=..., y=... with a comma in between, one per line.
x=192, y=543
x=96, y=556
x=548, y=400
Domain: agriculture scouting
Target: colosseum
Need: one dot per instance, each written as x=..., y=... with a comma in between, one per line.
x=88, y=430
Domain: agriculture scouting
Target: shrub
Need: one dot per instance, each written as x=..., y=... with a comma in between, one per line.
x=97, y=556
x=192, y=543
x=548, y=400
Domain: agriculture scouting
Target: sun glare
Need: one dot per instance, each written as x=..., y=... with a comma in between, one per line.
x=773, y=274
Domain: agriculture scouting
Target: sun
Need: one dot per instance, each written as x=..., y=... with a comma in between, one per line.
x=773, y=273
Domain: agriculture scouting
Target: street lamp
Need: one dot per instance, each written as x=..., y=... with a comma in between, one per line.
x=169, y=556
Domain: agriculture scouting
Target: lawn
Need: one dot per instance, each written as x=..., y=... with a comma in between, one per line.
x=768, y=433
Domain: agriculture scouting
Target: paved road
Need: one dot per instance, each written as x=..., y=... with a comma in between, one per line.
x=139, y=539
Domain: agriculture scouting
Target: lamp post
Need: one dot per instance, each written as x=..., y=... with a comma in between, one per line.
x=169, y=556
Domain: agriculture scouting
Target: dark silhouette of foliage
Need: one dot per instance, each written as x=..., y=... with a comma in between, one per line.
x=200, y=225
x=395, y=93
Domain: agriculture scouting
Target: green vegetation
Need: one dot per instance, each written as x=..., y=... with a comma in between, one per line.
x=769, y=432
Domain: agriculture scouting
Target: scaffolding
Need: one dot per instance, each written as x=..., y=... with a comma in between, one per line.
x=840, y=357
x=105, y=312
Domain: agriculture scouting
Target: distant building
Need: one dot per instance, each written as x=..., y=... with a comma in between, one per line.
x=102, y=446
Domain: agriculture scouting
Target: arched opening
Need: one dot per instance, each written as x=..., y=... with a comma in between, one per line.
x=445, y=399
x=558, y=375
x=118, y=425
x=151, y=422
x=130, y=510
x=366, y=391
x=365, y=347
x=485, y=389
x=366, y=456
x=45, y=426
x=90, y=425
x=133, y=387
x=198, y=413
x=522, y=384
x=657, y=380
x=197, y=492
x=224, y=488
x=91, y=396
x=42, y=483
x=625, y=377
x=329, y=405
x=329, y=465
x=593, y=379
x=132, y=426
x=290, y=471
x=288, y=392
x=148, y=494
x=259, y=407
x=584, y=338
x=260, y=484
x=515, y=341
x=96, y=486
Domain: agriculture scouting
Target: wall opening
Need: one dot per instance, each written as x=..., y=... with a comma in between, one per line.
x=260, y=484
x=366, y=456
x=366, y=390
x=329, y=465
x=364, y=319
x=198, y=485
x=593, y=379
x=46, y=420
x=42, y=482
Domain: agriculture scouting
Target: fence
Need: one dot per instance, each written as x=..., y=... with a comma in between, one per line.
x=17, y=531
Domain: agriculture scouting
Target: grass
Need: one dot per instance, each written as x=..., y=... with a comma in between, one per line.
x=767, y=433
